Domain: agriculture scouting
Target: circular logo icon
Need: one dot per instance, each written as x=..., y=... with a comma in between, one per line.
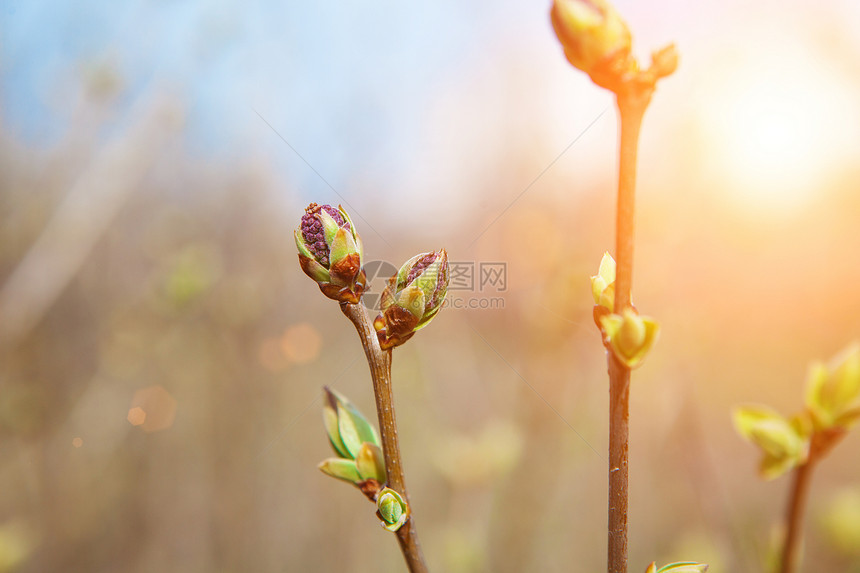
x=378, y=273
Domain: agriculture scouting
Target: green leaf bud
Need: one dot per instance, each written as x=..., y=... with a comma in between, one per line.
x=629, y=336
x=783, y=442
x=603, y=283
x=594, y=37
x=833, y=391
x=392, y=509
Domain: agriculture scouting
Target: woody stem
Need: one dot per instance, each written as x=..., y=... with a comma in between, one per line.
x=790, y=560
x=631, y=106
x=379, y=362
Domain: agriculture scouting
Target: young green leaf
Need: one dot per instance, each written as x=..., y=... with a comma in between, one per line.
x=340, y=469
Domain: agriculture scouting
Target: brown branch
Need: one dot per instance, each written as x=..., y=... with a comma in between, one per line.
x=379, y=362
x=790, y=561
x=619, y=399
x=631, y=106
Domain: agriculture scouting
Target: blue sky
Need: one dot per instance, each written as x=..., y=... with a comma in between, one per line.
x=328, y=76
x=424, y=99
x=382, y=98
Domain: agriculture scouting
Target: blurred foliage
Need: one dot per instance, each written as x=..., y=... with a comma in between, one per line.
x=183, y=304
x=840, y=519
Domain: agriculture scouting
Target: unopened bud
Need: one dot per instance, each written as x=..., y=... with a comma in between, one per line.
x=331, y=252
x=412, y=298
x=392, y=509
x=603, y=284
x=594, y=37
x=664, y=61
x=629, y=336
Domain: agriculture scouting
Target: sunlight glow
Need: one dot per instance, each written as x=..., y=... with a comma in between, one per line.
x=780, y=127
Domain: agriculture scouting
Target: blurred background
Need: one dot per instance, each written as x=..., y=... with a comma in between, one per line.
x=162, y=355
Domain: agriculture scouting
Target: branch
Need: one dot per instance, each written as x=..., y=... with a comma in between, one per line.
x=379, y=362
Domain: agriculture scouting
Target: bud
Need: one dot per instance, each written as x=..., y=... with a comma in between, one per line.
x=412, y=298
x=392, y=509
x=664, y=61
x=594, y=37
x=784, y=443
x=603, y=288
x=833, y=393
x=355, y=442
x=330, y=252
x=629, y=336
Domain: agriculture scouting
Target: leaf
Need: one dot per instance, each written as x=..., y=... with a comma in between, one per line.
x=772, y=467
x=777, y=438
x=341, y=469
x=300, y=244
x=342, y=245
x=834, y=390
x=330, y=226
x=849, y=417
x=746, y=417
x=354, y=428
x=371, y=462
x=816, y=401
x=846, y=378
x=331, y=425
x=784, y=443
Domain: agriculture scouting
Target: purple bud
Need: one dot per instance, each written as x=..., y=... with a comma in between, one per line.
x=419, y=267
x=314, y=234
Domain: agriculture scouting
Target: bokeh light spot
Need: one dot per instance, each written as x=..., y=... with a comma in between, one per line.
x=136, y=416
x=301, y=343
x=153, y=409
x=77, y=442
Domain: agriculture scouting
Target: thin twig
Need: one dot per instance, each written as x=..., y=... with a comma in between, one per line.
x=619, y=394
x=631, y=107
x=379, y=362
x=790, y=562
